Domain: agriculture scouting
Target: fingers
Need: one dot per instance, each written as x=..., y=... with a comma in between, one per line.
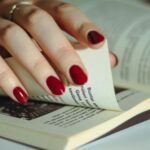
x=42, y=27
x=72, y=20
x=113, y=60
x=17, y=42
x=10, y=84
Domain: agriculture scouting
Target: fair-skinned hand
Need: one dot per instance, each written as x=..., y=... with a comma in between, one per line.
x=42, y=24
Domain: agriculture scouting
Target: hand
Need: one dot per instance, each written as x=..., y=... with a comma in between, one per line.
x=40, y=27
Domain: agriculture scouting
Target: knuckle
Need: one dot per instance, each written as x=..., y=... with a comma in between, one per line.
x=8, y=31
x=4, y=75
x=35, y=15
x=37, y=64
x=63, y=7
x=66, y=55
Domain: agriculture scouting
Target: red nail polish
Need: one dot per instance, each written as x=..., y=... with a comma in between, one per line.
x=78, y=75
x=94, y=37
x=20, y=95
x=55, y=85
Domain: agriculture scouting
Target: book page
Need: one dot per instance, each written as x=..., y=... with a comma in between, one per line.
x=98, y=92
x=48, y=120
x=126, y=24
x=39, y=118
x=58, y=116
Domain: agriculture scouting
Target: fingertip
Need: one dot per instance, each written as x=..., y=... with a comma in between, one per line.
x=20, y=95
x=113, y=60
x=78, y=75
x=94, y=37
x=55, y=85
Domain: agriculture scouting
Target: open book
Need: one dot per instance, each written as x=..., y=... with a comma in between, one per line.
x=58, y=123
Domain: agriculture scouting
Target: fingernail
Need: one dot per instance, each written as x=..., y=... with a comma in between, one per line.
x=55, y=85
x=94, y=37
x=78, y=75
x=20, y=95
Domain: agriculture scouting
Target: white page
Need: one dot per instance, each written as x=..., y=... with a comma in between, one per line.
x=68, y=121
x=139, y=140
x=126, y=24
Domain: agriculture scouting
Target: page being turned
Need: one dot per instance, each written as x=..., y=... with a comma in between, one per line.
x=126, y=25
x=98, y=92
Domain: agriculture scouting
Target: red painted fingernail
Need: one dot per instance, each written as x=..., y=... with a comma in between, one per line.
x=55, y=85
x=94, y=37
x=20, y=95
x=78, y=75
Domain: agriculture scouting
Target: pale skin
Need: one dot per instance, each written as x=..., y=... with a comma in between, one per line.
x=40, y=27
